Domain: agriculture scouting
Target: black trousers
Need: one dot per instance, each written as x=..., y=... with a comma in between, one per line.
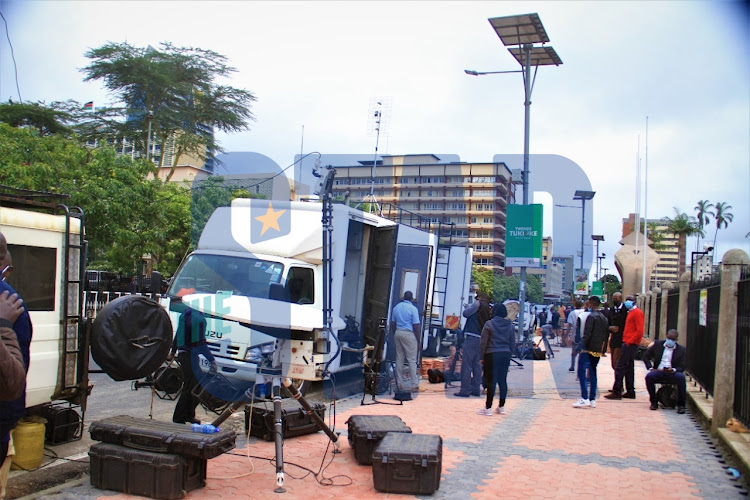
x=625, y=368
x=184, y=410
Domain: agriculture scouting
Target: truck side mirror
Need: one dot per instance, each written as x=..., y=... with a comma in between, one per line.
x=156, y=281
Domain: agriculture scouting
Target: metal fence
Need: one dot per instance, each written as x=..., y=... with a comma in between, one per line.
x=673, y=308
x=702, y=338
x=742, y=367
x=95, y=301
x=657, y=323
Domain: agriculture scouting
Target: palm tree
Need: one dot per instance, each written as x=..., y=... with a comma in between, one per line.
x=682, y=226
x=704, y=217
x=722, y=216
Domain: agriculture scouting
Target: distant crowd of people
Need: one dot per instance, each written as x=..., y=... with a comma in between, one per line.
x=596, y=330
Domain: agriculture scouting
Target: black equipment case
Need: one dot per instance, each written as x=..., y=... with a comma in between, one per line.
x=144, y=473
x=161, y=437
x=294, y=419
x=366, y=431
x=408, y=463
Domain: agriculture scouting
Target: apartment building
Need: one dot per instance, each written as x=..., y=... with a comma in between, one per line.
x=471, y=196
x=565, y=262
x=668, y=267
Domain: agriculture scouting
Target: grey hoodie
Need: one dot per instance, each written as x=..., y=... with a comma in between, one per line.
x=498, y=335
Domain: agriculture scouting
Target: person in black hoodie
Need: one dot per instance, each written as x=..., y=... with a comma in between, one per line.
x=594, y=345
x=497, y=343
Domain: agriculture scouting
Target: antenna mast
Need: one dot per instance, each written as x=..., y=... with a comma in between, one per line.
x=378, y=120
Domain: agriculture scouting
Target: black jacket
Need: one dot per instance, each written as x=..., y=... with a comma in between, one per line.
x=617, y=319
x=655, y=352
x=595, y=332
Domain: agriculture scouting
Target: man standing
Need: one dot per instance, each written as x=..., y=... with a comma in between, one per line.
x=12, y=411
x=573, y=320
x=669, y=360
x=405, y=325
x=476, y=316
x=631, y=339
x=190, y=340
x=12, y=368
x=594, y=344
x=616, y=316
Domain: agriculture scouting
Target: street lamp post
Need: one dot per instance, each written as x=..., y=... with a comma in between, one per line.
x=583, y=196
x=520, y=33
x=597, y=238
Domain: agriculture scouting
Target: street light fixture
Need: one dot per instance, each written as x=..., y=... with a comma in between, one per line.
x=583, y=196
x=521, y=32
x=597, y=238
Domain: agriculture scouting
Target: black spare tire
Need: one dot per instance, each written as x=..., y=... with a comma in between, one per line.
x=131, y=337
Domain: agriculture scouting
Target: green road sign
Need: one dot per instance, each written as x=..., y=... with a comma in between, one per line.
x=523, y=239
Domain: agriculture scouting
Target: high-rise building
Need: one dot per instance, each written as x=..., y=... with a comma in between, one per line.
x=668, y=248
x=567, y=271
x=471, y=196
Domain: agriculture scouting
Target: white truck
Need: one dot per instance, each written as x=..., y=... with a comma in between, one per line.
x=258, y=273
x=48, y=253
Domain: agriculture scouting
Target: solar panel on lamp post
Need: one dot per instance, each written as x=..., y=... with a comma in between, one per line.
x=520, y=33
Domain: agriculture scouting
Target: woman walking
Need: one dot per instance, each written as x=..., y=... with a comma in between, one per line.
x=497, y=343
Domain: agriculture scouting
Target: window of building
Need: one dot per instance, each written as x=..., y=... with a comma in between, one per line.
x=488, y=220
x=458, y=206
x=482, y=192
x=461, y=233
x=458, y=192
x=455, y=179
x=458, y=220
x=483, y=261
x=403, y=180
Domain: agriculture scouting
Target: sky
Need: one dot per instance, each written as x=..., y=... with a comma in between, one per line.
x=683, y=67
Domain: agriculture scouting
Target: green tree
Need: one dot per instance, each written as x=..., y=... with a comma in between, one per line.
x=611, y=284
x=703, y=207
x=508, y=287
x=722, y=216
x=483, y=278
x=127, y=214
x=681, y=225
x=173, y=92
x=46, y=120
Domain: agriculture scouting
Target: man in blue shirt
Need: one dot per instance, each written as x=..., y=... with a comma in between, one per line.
x=405, y=324
x=12, y=411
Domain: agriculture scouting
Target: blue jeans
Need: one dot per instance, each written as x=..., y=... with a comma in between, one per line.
x=588, y=387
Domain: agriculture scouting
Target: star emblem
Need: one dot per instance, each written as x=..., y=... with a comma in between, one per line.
x=270, y=219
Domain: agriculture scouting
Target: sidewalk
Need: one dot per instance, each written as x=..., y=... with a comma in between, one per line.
x=542, y=448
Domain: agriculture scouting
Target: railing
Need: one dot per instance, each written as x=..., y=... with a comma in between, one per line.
x=657, y=323
x=701, y=346
x=673, y=308
x=95, y=301
x=742, y=368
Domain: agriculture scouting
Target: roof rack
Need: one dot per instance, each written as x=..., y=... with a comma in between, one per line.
x=21, y=198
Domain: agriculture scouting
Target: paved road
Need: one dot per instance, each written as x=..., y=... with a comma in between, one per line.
x=542, y=448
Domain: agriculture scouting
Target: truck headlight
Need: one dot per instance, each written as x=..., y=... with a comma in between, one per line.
x=257, y=353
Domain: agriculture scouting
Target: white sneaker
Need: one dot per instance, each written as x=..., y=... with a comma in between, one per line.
x=500, y=410
x=485, y=411
x=582, y=403
x=592, y=403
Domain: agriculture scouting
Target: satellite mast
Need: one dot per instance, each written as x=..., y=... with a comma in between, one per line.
x=377, y=122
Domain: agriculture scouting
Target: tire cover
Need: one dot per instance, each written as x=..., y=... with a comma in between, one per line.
x=131, y=337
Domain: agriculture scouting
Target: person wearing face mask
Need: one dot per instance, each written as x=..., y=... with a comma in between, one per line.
x=616, y=316
x=668, y=366
x=631, y=339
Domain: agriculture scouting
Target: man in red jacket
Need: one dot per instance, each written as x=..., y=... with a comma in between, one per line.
x=631, y=339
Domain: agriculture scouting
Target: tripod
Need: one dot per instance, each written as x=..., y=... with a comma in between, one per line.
x=372, y=375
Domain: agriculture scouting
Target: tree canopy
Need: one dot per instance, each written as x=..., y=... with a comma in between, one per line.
x=173, y=92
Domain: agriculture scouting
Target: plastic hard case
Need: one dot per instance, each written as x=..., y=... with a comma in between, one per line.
x=408, y=463
x=366, y=431
x=294, y=419
x=161, y=437
x=144, y=473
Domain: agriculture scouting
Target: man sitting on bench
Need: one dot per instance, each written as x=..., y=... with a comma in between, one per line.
x=669, y=359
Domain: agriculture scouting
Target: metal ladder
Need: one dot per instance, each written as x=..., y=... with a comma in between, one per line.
x=75, y=349
x=444, y=232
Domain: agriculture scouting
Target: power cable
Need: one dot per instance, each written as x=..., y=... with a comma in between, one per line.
x=13, y=56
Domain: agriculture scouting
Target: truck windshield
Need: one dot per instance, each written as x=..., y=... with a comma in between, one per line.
x=214, y=273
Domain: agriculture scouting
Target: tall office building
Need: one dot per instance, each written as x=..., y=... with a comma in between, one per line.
x=567, y=272
x=471, y=196
x=668, y=267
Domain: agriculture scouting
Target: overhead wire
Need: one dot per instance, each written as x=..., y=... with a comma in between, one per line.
x=13, y=57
